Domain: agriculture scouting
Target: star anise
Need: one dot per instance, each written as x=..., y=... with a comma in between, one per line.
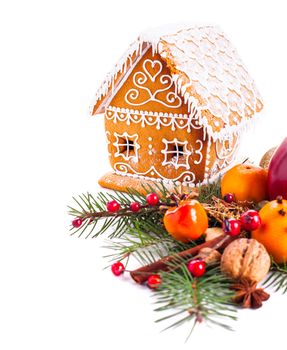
x=248, y=295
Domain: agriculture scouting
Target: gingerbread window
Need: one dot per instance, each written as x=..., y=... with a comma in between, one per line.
x=176, y=153
x=126, y=146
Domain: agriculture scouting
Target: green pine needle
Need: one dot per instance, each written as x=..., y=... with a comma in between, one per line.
x=206, y=192
x=142, y=235
x=277, y=278
x=146, y=242
x=88, y=204
x=196, y=299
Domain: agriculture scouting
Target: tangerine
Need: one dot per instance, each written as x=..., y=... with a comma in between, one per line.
x=273, y=230
x=187, y=221
x=248, y=183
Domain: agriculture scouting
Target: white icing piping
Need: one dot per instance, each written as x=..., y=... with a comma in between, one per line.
x=159, y=119
x=176, y=154
x=202, y=37
x=151, y=71
x=171, y=182
x=235, y=130
x=207, y=159
x=123, y=168
x=123, y=141
x=120, y=67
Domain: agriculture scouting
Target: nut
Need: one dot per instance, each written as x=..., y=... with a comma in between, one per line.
x=212, y=233
x=209, y=255
x=265, y=160
x=245, y=259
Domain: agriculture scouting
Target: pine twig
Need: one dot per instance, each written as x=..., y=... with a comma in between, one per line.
x=145, y=245
x=195, y=299
x=91, y=210
x=277, y=278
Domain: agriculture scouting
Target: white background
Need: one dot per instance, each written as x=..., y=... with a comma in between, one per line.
x=54, y=54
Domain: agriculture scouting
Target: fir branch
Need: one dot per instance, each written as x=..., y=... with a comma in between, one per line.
x=146, y=242
x=92, y=209
x=195, y=299
x=208, y=191
x=277, y=278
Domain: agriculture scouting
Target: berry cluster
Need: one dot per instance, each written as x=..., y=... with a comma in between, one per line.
x=114, y=206
x=151, y=199
x=249, y=221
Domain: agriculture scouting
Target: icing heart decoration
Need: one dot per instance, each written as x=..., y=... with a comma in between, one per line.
x=152, y=69
x=141, y=94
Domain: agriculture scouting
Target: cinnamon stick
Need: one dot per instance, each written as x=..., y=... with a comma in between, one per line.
x=141, y=274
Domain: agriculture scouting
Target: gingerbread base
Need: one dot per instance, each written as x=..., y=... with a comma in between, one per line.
x=122, y=183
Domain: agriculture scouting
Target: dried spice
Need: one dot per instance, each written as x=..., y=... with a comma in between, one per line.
x=248, y=295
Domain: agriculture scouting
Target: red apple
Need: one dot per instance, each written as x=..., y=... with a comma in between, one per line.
x=277, y=172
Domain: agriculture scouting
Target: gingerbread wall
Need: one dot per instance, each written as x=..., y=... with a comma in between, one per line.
x=222, y=153
x=149, y=130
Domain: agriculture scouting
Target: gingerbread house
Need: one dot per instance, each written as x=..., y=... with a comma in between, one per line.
x=175, y=107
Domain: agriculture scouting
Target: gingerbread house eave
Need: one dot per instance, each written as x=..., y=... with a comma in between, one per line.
x=117, y=77
x=234, y=92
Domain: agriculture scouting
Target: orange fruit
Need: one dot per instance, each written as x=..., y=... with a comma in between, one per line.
x=273, y=230
x=187, y=221
x=247, y=182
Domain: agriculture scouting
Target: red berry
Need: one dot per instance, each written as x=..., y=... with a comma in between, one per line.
x=154, y=281
x=231, y=227
x=77, y=222
x=152, y=199
x=250, y=220
x=113, y=206
x=135, y=207
x=196, y=267
x=117, y=268
x=229, y=198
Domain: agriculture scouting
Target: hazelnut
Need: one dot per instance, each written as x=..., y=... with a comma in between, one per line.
x=245, y=259
x=209, y=255
x=213, y=232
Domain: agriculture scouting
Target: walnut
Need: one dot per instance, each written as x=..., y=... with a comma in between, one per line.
x=265, y=160
x=245, y=259
x=209, y=255
x=213, y=232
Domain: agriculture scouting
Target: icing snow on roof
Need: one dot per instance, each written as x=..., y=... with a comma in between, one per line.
x=207, y=71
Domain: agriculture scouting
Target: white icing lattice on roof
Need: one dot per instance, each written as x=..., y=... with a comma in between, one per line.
x=208, y=73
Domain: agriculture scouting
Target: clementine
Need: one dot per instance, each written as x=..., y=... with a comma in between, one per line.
x=273, y=230
x=248, y=183
x=186, y=222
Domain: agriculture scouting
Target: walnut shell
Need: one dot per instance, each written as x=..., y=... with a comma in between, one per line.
x=245, y=258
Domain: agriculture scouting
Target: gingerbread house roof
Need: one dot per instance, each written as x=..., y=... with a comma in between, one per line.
x=207, y=72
